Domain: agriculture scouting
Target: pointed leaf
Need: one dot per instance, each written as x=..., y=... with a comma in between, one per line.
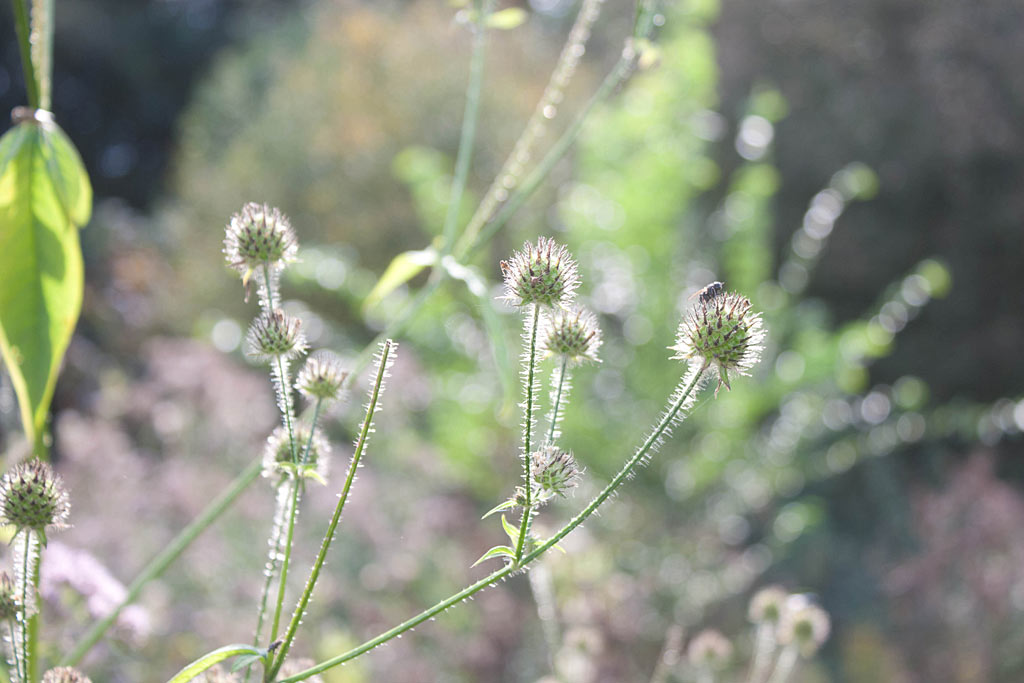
x=402, y=268
x=246, y=660
x=510, y=503
x=211, y=659
x=41, y=192
x=496, y=551
x=511, y=531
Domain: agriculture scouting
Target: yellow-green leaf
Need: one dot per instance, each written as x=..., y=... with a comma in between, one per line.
x=44, y=197
x=402, y=268
x=211, y=659
x=506, y=19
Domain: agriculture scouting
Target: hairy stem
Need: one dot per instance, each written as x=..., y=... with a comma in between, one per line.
x=385, y=359
x=23, y=31
x=530, y=379
x=282, y=581
x=274, y=543
x=682, y=399
x=165, y=558
x=560, y=384
x=41, y=38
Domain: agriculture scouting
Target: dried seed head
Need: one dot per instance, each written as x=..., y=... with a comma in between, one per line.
x=767, y=605
x=804, y=624
x=721, y=332
x=275, y=335
x=277, y=455
x=544, y=274
x=573, y=335
x=321, y=377
x=259, y=235
x=554, y=471
x=10, y=604
x=709, y=649
x=65, y=674
x=32, y=496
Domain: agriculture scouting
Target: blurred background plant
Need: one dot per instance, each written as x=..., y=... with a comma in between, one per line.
x=851, y=170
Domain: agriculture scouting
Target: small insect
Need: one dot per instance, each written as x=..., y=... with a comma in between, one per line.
x=708, y=294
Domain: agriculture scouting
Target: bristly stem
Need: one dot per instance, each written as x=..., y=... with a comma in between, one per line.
x=23, y=31
x=273, y=556
x=680, y=401
x=165, y=558
x=561, y=385
x=469, y=121
x=530, y=378
x=384, y=361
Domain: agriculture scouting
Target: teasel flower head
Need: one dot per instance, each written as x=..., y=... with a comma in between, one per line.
x=709, y=649
x=322, y=377
x=804, y=624
x=543, y=273
x=277, y=454
x=257, y=236
x=275, y=335
x=32, y=496
x=554, y=471
x=573, y=335
x=722, y=333
x=65, y=674
x=10, y=603
x=767, y=605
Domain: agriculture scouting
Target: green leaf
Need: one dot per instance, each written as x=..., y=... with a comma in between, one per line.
x=402, y=268
x=507, y=19
x=44, y=197
x=496, y=551
x=511, y=531
x=247, y=660
x=499, y=507
x=211, y=659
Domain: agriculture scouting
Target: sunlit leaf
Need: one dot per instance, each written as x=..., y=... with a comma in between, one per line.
x=511, y=531
x=499, y=507
x=507, y=19
x=211, y=659
x=402, y=268
x=496, y=551
x=44, y=197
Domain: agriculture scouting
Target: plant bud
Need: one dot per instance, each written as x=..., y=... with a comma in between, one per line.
x=573, y=335
x=321, y=377
x=32, y=496
x=65, y=674
x=804, y=624
x=543, y=274
x=259, y=235
x=275, y=335
x=554, y=471
x=277, y=455
x=709, y=649
x=767, y=605
x=10, y=604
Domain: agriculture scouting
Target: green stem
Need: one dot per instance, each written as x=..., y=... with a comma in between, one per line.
x=470, y=243
x=41, y=37
x=556, y=404
x=27, y=597
x=275, y=550
x=469, y=122
x=25, y=48
x=161, y=562
x=267, y=284
x=531, y=370
x=666, y=421
x=314, y=574
x=282, y=582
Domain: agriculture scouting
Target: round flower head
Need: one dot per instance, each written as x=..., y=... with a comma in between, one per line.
x=573, y=335
x=709, y=649
x=321, y=377
x=65, y=674
x=259, y=235
x=277, y=455
x=804, y=624
x=721, y=332
x=554, y=471
x=10, y=604
x=767, y=605
x=543, y=273
x=275, y=335
x=32, y=496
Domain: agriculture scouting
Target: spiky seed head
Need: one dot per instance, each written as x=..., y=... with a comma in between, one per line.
x=805, y=624
x=543, y=273
x=710, y=649
x=321, y=377
x=32, y=496
x=767, y=605
x=10, y=604
x=257, y=236
x=572, y=334
x=277, y=454
x=722, y=332
x=65, y=674
x=275, y=335
x=554, y=471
